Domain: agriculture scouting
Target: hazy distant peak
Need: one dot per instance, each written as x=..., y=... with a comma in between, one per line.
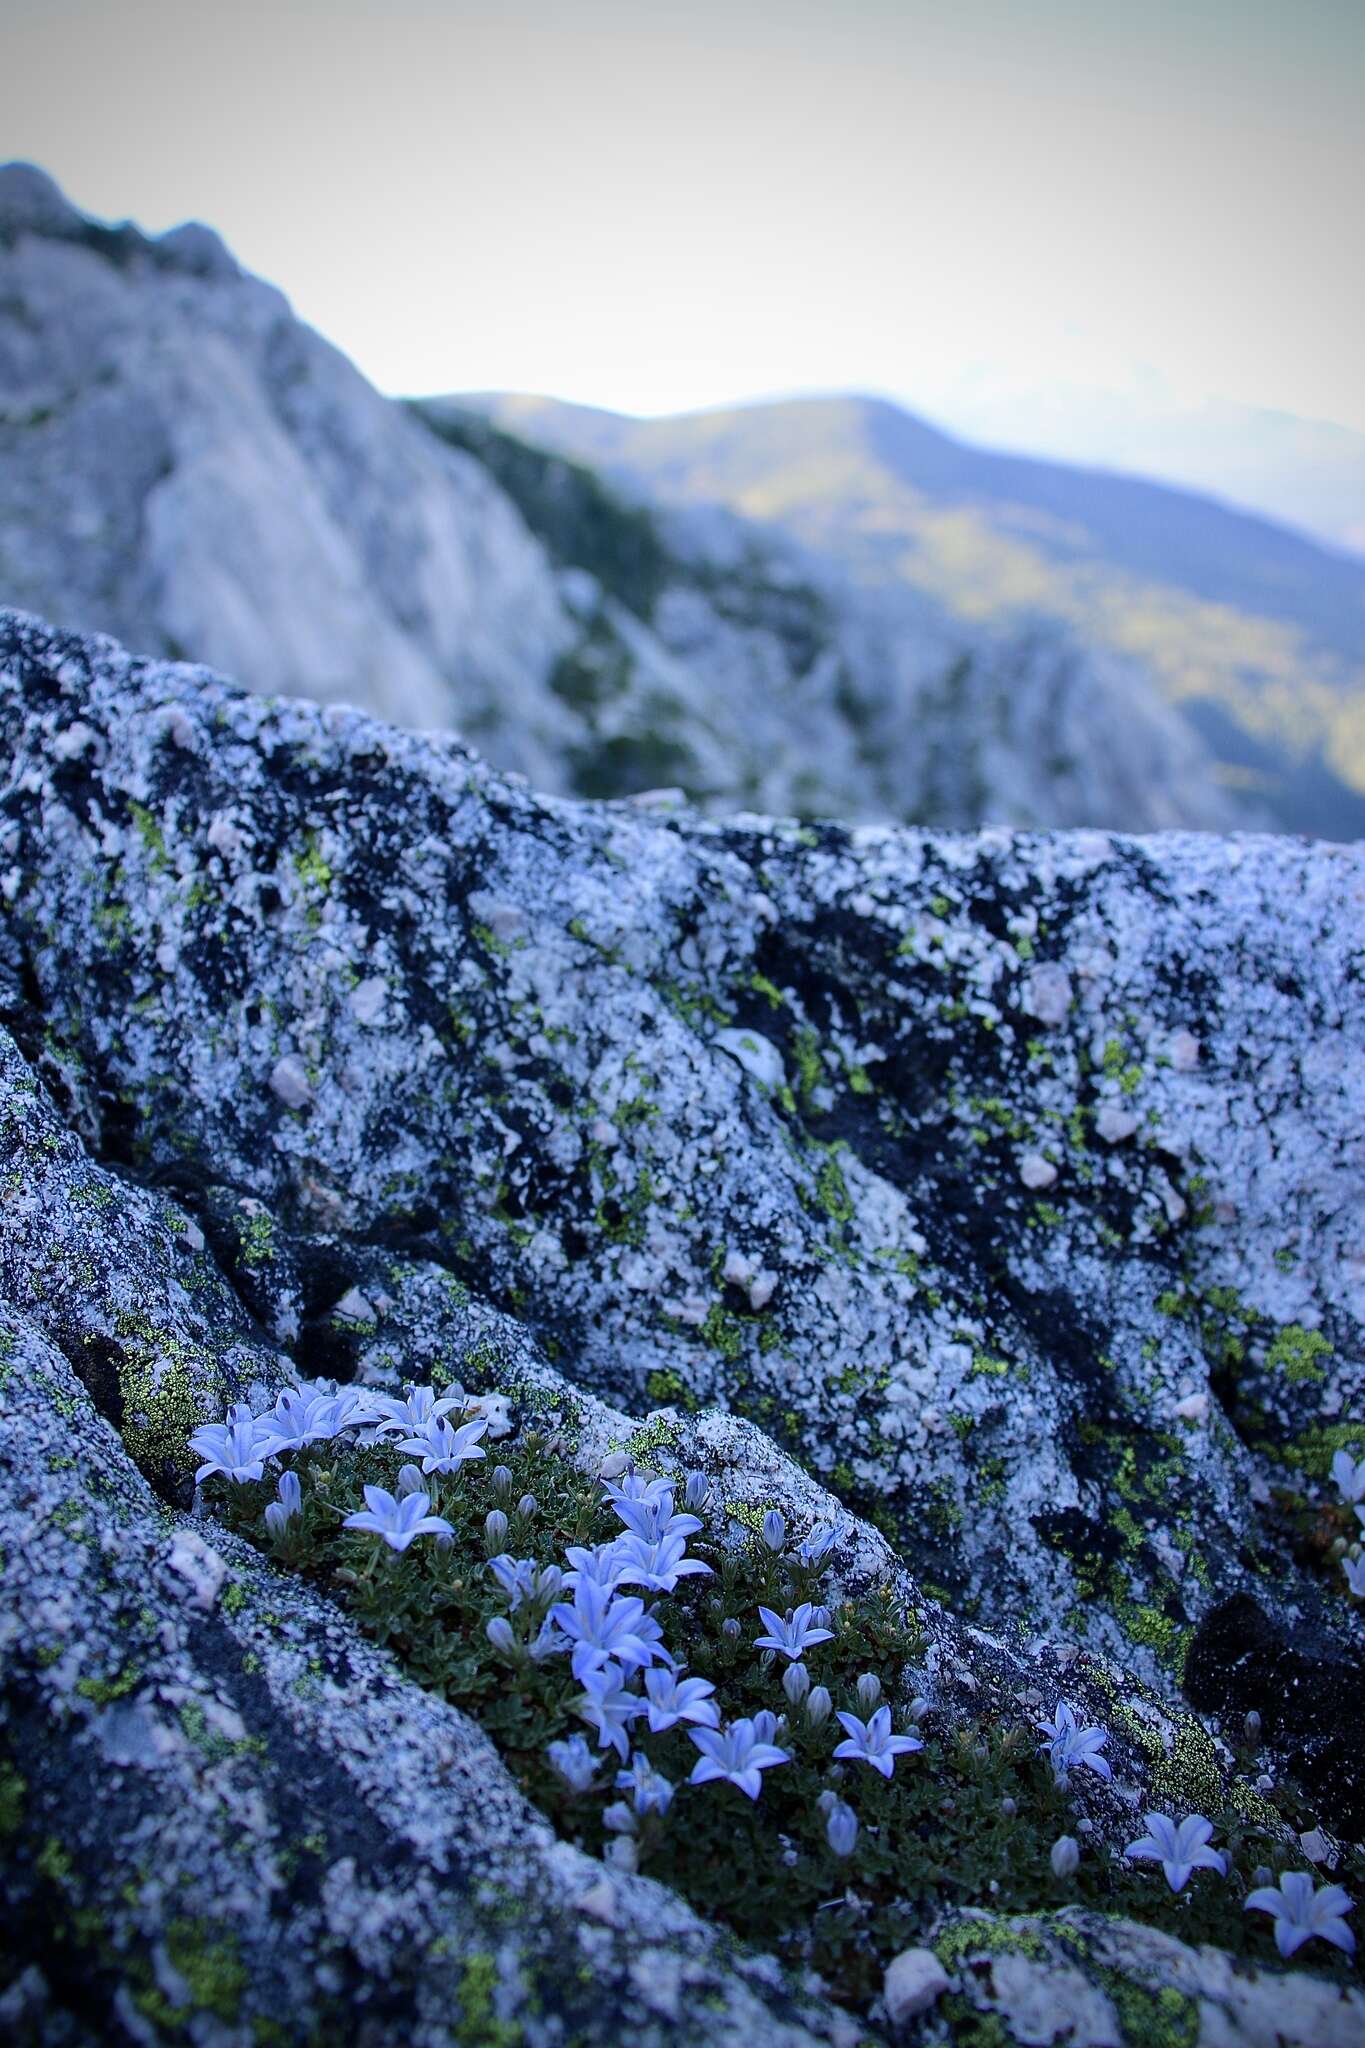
x=32, y=203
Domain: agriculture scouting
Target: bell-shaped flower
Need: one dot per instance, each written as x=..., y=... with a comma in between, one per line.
x=634, y=1486
x=1180, y=1850
x=289, y=1425
x=791, y=1636
x=658, y=1566
x=1304, y=1912
x=546, y=1642
x=607, y=1706
x=397, y=1521
x=872, y=1742
x=672, y=1699
x=696, y=1492
x=443, y=1449
x=1354, y=1568
x=232, y=1448
x=517, y=1577
x=736, y=1754
x=1350, y=1478
x=605, y=1626
x=1069, y=1744
x=650, y=1791
x=574, y=1762
x=414, y=1409
x=603, y=1565
x=332, y=1414
x=653, y=1519
x=816, y=1547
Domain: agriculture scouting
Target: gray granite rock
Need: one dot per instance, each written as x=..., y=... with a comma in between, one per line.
x=521, y=1148
x=354, y=975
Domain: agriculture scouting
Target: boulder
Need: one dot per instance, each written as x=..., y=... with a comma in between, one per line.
x=534, y=1161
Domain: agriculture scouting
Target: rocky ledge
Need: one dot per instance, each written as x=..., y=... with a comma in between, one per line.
x=992, y=1201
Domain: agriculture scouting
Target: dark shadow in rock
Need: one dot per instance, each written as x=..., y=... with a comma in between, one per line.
x=95, y=1361
x=1312, y=1708
x=324, y=1349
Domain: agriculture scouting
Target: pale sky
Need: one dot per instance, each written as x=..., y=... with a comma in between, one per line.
x=653, y=206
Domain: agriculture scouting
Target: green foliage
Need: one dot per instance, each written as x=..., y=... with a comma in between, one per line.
x=580, y=520
x=1297, y=1353
x=970, y=1821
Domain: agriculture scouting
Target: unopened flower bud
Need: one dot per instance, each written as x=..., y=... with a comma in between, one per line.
x=495, y=1530
x=827, y=1801
x=774, y=1530
x=549, y=1582
x=410, y=1480
x=869, y=1689
x=818, y=1705
x=730, y=1627
x=841, y=1829
x=1009, y=1807
x=1262, y=1874
x=796, y=1683
x=696, y=1492
x=821, y=1618
x=502, y=1482
x=1066, y=1856
x=1252, y=1724
x=500, y=1635
x=919, y=1707
x=527, y=1505
x=618, y=1818
x=766, y=1659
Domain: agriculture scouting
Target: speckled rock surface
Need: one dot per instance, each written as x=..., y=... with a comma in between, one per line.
x=225, y=1813
x=756, y=1115
x=226, y=1817
x=332, y=1051
x=1091, y=1982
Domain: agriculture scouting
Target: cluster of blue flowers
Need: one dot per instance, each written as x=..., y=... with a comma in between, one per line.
x=1301, y=1910
x=629, y=1678
x=583, y=1609
x=415, y=1422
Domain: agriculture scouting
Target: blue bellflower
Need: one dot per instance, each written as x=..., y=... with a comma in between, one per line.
x=737, y=1755
x=872, y=1742
x=232, y=1448
x=607, y=1706
x=1303, y=1912
x=607, y=1627
x=1068, y=1743
x=399, y=1522
x=793, y=1635
x=442, y=1448
x=1179, y=1850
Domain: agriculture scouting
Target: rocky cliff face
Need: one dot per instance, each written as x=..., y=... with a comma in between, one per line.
x=186, y=465
x=994, y=1198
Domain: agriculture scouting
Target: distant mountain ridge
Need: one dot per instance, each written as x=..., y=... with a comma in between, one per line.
x=187, y=466
x=1256, y=631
